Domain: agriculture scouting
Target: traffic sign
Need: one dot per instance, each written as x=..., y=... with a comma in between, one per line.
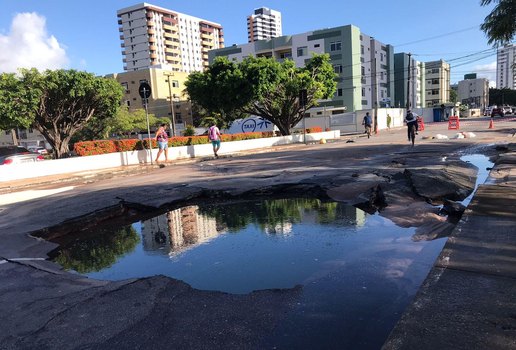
x=144, y=90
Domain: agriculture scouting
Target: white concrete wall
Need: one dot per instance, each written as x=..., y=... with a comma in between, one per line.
x=112, y=160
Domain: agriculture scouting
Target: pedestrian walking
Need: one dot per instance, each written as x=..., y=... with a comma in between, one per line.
x=389, y=120
x=162, y=139
x=367, y=122
x=214, y=136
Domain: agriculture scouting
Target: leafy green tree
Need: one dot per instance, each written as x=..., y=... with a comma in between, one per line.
x=263, y=87
x=61, y=102
x=500, y=24
x=220, y=90
x=276, y=87
x=502, y=97
x=453, y=96
x=15, y=104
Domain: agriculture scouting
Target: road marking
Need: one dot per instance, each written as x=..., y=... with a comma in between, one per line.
x=23, y=196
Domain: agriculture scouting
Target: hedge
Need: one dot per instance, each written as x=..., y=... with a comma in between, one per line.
x=90, y=148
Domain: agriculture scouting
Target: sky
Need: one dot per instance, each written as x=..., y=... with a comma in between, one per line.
x=83, y=34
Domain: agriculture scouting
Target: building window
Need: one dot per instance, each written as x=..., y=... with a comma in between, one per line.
x=363, y=70
x=175, y=83
x=362, y=49
x=317, y=45
x=339, y=92
x=302, y=51
x=337, y=68
x=363, y=92
x=335, y=46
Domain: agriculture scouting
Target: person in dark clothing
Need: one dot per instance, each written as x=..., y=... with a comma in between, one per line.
x=411, y=121
x=367, y=122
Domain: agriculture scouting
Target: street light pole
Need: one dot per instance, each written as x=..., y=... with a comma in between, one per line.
x=171, y=97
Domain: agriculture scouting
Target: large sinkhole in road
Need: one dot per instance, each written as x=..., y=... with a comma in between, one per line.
x=357, y=272
x=246, y=246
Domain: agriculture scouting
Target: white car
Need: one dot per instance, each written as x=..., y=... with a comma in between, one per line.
x=38, y=149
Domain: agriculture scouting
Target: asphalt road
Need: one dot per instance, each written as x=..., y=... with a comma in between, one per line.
x=466, y=302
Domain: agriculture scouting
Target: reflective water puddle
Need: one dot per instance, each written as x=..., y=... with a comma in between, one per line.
x=483, y=163
x=357, y=271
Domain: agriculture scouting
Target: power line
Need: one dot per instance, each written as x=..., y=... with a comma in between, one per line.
x=437, y=36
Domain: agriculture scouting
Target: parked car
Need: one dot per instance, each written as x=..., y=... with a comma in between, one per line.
x=17, y=155
x=507, y=110
x=38, y=149
x=497, y=111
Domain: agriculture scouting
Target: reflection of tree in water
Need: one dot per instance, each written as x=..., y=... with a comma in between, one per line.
x=98, y=252
x=271, y=213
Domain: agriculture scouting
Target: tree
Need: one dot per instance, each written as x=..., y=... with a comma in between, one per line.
x=501, y=97
x=276, y=87
x=123, y=123
x=61, y=102
x=220, y=91
x=262, y=87
x=15, y=104
x=500, y=24
x=453, y=96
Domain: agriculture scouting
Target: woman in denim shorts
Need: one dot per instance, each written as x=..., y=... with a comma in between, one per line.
x=162, y=138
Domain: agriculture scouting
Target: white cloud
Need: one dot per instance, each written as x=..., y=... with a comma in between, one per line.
x=487, y=71
x=28, y=45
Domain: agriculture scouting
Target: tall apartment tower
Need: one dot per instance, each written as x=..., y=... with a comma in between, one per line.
x=156, y=37
x=506, y=67
x=263, y=24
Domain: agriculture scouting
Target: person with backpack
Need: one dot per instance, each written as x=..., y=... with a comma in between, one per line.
x=214, y=136
x=411, y=121
x=367, y=122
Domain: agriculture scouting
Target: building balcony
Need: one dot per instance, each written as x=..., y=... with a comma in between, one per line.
x=150, y=24
x=121, y=37
x=119, y=21
x=153, y=47
x=151, y=31
x=152, y=39
x=169, y=21
x=221, y=39
x=122, y=44
x=207, y=43
x=174, y=51
x=153, y=56
x=124, y=52
x=205, y=56
x=171, y=36
x=206, y=36
x=121, y=29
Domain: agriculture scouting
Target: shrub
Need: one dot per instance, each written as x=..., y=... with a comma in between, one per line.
x=314, y=129
x=89, y=148
x=189, y=131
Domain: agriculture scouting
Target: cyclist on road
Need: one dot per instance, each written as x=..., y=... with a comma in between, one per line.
x=411, y=121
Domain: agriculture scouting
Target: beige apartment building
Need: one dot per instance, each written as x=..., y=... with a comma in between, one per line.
x=167, y=98
x=157, y=37
x=437, y=83
x=474, y=92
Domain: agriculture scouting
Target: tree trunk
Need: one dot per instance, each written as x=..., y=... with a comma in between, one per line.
x=15, y=138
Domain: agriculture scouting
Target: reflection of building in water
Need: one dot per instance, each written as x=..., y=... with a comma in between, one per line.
x=282, y=228
x=356, y=216
x=178, y=230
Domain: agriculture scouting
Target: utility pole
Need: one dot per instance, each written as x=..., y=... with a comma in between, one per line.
x=408, y=80
x=171, y=100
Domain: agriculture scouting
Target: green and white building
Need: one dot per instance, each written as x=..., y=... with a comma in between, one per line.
x=365, y=66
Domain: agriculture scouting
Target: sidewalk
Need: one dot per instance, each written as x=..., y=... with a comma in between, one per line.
x=468, y=300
